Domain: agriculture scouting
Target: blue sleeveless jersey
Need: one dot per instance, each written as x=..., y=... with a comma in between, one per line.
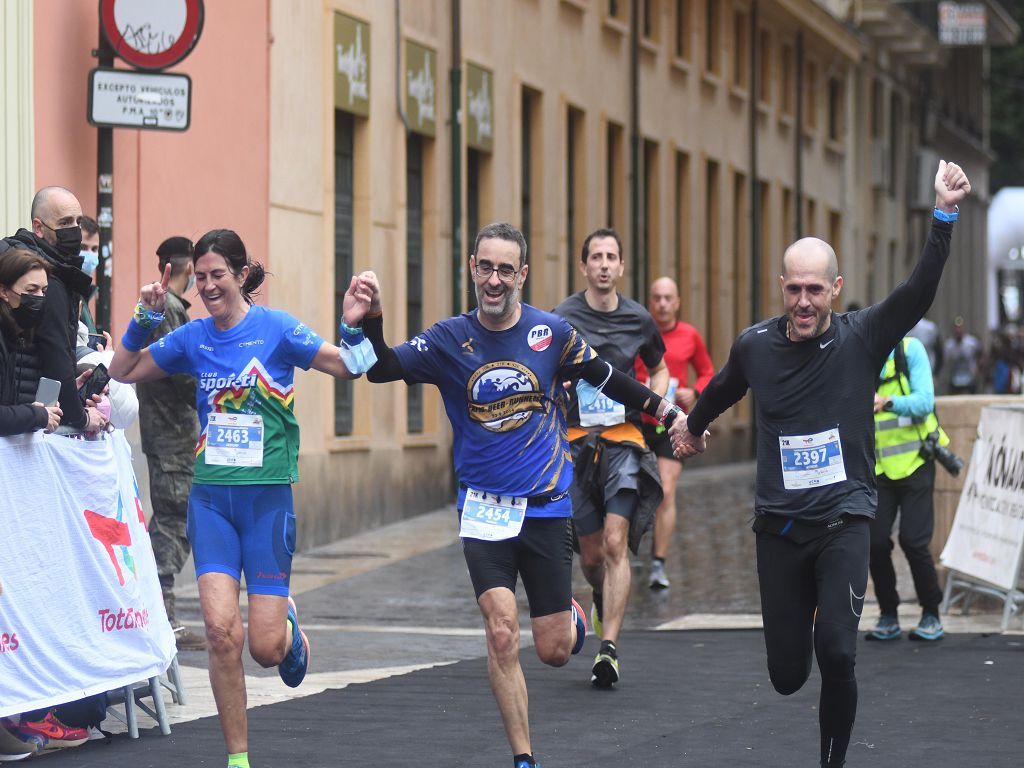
x=503, y=394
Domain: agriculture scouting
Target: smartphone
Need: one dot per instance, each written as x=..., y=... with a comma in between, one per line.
x=95, y=383
x=96, y=340
x=48, y=391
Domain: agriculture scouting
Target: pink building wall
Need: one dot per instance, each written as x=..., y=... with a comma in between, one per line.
x=215, y=174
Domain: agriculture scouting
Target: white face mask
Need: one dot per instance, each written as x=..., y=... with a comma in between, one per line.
x=90, y=260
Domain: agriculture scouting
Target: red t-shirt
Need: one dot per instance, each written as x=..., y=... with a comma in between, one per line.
x=684, y=348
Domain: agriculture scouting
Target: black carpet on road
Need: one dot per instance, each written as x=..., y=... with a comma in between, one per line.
x=696, y=698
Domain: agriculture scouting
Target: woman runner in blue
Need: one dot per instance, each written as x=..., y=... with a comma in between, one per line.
x=240, y=516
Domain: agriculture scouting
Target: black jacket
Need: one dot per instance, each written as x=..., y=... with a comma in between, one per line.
x=19, y=378
x=56, y=336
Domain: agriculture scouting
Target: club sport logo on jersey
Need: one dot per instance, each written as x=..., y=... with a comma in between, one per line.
x=539, y=338
x=502, y=395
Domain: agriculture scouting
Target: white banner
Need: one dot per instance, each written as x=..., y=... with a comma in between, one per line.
x=80, y=608
x=987, y=537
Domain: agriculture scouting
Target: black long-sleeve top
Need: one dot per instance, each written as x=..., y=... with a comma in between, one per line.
x=807, y=388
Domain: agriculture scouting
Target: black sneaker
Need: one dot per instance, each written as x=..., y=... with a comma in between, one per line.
x=605, y=672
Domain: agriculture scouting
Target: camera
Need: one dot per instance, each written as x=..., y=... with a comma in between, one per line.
x=930, y=449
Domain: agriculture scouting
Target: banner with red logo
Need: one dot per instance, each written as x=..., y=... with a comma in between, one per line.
x=80, y=604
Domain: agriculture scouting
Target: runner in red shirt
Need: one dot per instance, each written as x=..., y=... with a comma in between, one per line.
x=684, y=349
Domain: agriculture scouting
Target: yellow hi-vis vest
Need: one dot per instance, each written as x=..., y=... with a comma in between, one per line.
x=898, y=438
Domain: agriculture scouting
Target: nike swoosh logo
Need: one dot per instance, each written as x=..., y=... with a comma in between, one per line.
x=855, y=596
x=826, y=343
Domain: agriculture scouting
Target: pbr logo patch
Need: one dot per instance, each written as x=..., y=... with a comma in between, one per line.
x=539, y=338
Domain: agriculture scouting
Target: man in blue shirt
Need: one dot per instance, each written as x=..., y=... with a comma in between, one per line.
x=905, y=476
x=500, y=370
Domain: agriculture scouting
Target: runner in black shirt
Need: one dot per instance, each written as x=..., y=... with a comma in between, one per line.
x=813, y=374
x=616, y=487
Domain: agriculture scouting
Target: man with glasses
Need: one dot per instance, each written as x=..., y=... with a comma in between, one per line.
x=617, y=487
x=56, y=235
x=500, y=369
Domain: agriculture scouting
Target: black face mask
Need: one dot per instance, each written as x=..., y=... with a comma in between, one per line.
x=29, y=313
x=69, y=240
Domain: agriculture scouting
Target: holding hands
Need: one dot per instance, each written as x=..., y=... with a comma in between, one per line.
x=684, y=443
x=361, y=299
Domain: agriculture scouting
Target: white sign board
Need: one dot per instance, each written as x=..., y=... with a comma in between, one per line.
x=128, y=99
x=80, y=610
x=962, y=23
x=987, y=537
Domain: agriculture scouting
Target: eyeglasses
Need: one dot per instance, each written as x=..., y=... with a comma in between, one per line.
x=506, y=273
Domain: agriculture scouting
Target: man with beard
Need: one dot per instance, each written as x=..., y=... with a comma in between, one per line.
x=813, y=374
x=500, y=370
x=56, y=235
x=616, y=488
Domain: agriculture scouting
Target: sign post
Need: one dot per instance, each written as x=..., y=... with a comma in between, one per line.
x=148, y=36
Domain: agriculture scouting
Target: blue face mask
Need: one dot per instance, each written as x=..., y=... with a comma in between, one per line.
x=90, y=260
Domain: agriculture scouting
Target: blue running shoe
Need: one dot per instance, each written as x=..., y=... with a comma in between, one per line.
x=294, y=665
x=928, y=628
x=581, y=626
x=887, y=628
x=527, y=763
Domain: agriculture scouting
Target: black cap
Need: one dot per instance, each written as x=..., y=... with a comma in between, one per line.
x=174, y=246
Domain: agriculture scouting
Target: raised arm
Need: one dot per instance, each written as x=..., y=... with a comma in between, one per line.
x=351, y=359
x=132, y=362
x=388, y=366
x=891, y=319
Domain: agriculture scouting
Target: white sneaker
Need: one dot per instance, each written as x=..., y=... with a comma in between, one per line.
x=658, y=578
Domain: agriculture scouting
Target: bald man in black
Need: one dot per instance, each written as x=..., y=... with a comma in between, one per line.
x=813, y=375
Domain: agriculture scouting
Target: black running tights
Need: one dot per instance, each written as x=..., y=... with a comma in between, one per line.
x=812, y=595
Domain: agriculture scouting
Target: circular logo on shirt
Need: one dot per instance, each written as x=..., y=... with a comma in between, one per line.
x=539, y=338
x=502, y=395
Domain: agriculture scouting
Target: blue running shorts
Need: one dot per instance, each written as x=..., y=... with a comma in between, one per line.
x=250, y=528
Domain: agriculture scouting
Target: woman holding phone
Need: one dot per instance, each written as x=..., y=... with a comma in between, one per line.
x=240, y=514
x=23, y=282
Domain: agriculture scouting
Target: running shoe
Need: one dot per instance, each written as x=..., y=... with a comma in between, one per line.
x=928, y=628
x=292, y=668
x=15, y=747
x=887, y=628
x=55, y=733
x=595, y=614
x=526, y=764
x=605, y=672
x=658, y=578
x=581, y=626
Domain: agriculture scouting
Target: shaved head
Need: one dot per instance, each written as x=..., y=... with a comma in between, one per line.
x=49, y=198
x=663, y=302
x=664, y=285
x=811, y=254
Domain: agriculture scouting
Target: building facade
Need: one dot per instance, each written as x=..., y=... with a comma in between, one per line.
x=711, y=138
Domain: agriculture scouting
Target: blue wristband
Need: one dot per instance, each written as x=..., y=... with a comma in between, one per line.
x=943, y=216
x=349, y=335
x=135, y=336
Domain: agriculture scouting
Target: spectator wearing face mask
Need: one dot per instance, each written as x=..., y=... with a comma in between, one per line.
x=56, y=236
x=23, y=285
x=90, y=254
